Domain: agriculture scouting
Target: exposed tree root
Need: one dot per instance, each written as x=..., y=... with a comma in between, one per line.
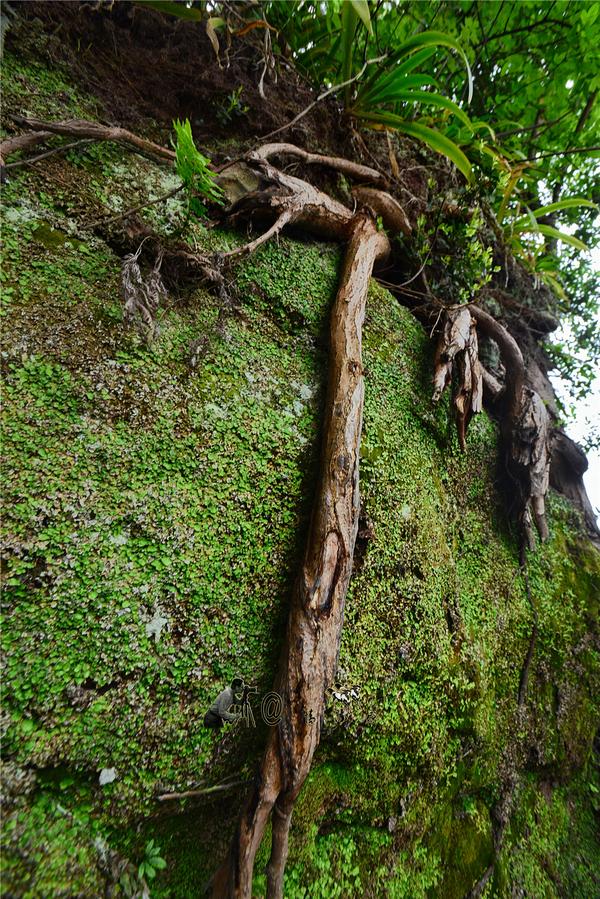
x=286, y=217
x=81, y=128
x=385, y=205
x=513, y=359
x=310, y=650
x=276, y=193
x=526, y=428
x=345, y=166
x=22, y=142
x=311, y=645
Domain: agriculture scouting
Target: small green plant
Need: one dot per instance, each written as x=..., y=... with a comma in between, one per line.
x=193, y=169
x=458, y=244
x=152, y=862
x=232, y=108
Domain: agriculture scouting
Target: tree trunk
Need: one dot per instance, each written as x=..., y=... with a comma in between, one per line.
x=310, y=651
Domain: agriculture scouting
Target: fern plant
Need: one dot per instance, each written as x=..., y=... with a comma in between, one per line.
x=193, y=169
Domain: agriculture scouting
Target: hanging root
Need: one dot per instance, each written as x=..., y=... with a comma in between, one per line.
x=141, y=298
x=526, y=428
x=458, y=343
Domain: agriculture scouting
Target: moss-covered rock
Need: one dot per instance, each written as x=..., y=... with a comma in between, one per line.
x=155, y=517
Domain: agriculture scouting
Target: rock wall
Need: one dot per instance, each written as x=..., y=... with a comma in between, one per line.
x=154, y=520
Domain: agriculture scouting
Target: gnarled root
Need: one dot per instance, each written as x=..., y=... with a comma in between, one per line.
x=311, y=645
x=345, y=166
x=526, y=430
x=384, y=204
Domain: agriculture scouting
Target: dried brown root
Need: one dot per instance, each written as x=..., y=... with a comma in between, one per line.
x=21, y=142
x=345, y=166
x=310, y=651
x=81, y=128
x=458, y=344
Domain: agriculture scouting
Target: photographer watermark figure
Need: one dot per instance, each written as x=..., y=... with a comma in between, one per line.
x=243, y=708
x=224, y=708
x=232, y=705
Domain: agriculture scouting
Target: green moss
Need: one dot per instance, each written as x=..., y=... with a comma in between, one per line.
x=551, y=849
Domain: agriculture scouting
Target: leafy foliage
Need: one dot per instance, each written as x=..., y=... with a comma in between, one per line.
x=193, y=169
x=535, y=100
x=340, y=37
x=152, y=861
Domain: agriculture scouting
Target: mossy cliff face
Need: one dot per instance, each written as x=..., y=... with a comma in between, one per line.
x=154, y=523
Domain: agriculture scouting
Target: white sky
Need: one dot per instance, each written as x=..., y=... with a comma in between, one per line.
x=587, y=412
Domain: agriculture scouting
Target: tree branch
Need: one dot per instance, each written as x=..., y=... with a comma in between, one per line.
x=562, y=153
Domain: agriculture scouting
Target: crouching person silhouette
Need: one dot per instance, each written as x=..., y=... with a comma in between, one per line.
x=219, y=710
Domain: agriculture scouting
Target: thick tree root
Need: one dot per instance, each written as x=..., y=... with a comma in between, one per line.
x=526, y=430
x=21, y=142
x=311, y=647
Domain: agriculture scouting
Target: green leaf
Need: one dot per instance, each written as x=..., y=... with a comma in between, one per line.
x=569, y=203
x=386, y=89
x=434, y=100
x=158, y=863
x=192, y=167
x=515, y=175
x=554, y=233
x=554, y=284
x=361, y=8
x=434, y=139
x=436, y=38
x=379, y=79
x=349, y=20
